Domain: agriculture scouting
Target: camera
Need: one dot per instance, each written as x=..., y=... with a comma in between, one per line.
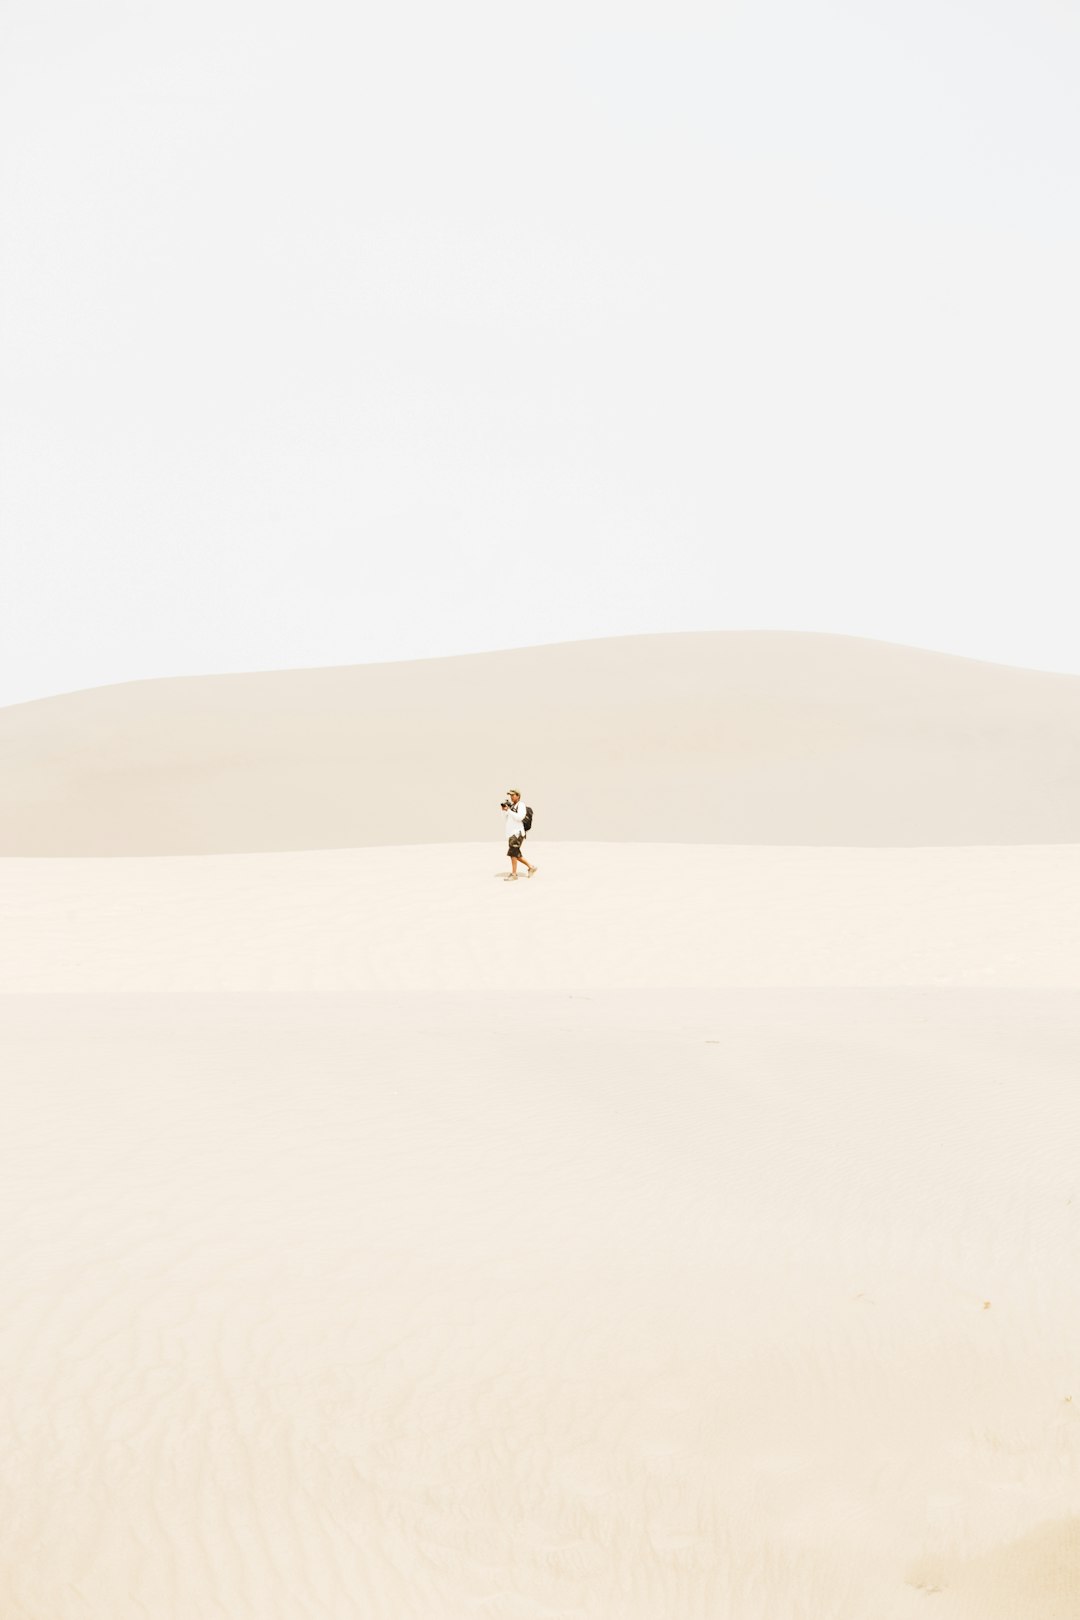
x=505, y=805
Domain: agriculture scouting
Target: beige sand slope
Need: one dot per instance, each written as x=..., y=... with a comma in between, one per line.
x=738, y=738
x=690, y=1233
x=604, y=917
x=503, y=1252
x=657, y=1305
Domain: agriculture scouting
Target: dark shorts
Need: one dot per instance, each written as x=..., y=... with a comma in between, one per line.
x=514, y=847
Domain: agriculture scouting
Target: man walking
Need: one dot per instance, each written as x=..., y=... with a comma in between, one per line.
x=515, y=827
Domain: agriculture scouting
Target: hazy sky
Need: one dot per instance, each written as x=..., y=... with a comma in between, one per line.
x=336, y=332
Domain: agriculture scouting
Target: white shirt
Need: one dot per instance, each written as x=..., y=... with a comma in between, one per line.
x=515, y=815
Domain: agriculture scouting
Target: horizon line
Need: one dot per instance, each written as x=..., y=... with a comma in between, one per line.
x=542, y=646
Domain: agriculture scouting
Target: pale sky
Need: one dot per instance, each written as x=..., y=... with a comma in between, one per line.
x=337, y=332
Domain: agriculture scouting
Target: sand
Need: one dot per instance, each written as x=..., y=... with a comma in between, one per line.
x=650, y=1304
x=647, y=916
x=742, y=738
x=689, y=1233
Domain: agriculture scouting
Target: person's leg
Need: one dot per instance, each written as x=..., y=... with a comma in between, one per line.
x=517, y=853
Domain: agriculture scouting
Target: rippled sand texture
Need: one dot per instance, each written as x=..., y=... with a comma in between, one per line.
x=667, y=1304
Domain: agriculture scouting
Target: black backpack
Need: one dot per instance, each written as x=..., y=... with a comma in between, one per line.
x=526, y=820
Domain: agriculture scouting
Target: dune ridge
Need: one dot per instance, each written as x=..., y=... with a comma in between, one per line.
x=733, y=737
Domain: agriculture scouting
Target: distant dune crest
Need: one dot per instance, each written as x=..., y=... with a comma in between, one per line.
x=737, y=737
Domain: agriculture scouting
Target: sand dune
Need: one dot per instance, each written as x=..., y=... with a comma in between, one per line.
x=650, y=1304
x=732, y=738
x=595, y=917
x=689, y=1233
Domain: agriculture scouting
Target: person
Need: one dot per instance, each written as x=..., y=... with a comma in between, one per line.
x=515, y=815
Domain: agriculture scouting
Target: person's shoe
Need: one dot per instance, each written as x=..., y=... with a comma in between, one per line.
x=532, y=871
